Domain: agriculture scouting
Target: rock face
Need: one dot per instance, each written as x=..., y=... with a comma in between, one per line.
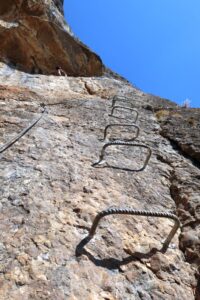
x=50, y=194
x=59, y=5
x=182, y=126
x=36, y=39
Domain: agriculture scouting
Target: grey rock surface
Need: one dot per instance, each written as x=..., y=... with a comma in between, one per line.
x=50, y=194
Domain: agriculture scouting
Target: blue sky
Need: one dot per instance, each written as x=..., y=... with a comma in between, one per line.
x=154, y=44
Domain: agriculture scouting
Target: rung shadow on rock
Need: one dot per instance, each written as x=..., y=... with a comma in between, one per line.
x=122, y=143
x=126, y=108
x=121, y=125
x=129, y=211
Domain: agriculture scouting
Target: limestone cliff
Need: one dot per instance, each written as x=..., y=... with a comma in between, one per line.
x=35, y=38
x=51, y=193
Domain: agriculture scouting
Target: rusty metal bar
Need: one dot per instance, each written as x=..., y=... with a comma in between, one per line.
x=118, y=98
x=21, y=134
x=157, y=214
x=126, y=108
x=121, y=143
x=122, y=125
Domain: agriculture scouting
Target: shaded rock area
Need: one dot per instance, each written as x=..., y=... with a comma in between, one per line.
x=50, y=194
x=36, y=39
x=182, y=126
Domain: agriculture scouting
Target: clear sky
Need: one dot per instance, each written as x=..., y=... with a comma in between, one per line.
x=155, y=44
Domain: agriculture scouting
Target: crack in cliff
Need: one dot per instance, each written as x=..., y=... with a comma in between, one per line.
x=186, y=247
x=88, y=89
x=180, y=151
x=183, y=211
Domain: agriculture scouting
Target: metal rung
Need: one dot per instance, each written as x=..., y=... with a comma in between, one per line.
x=122, y=125
x=118, y=98
x=121, y=143
x=21, y=134
x=113, y=211
x=126, y=108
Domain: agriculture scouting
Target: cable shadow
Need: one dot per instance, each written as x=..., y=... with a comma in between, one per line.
x=111, y=263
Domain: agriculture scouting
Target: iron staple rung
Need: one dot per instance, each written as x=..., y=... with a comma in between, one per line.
x=123, y=143
x=137, y=212
x=120, y=98
x=128, y=211
x=22, y=133
x=122, y=125
x=126, y=108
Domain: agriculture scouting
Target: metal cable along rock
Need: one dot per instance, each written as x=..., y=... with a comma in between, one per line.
x=122, y=125
x=22, y=133
x=114, y=211
x=126, y=108
x=122, y=143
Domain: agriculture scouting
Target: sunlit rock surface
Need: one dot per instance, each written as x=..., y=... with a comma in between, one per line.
x=35, y=38
x=50, y=194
